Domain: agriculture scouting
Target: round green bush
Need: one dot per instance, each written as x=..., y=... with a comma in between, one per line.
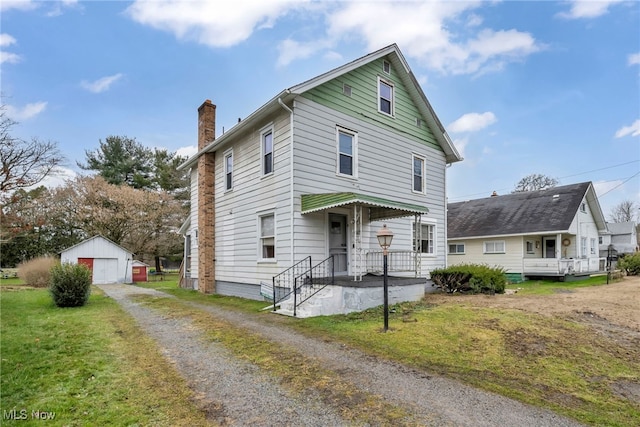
x=70, y=285
x=630, y=263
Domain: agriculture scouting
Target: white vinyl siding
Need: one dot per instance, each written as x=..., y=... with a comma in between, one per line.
x=315, y=156
x=474, y=253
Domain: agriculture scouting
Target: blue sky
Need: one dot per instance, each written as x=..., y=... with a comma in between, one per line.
x=550, y=87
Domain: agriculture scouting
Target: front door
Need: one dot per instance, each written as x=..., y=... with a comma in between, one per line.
x=550, y=248
x=338, y=243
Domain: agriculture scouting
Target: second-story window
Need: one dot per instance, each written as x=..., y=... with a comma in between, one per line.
x=228, y=171
x=267, y=152
x=347, y=152
x=385, y=97
x=418, y=174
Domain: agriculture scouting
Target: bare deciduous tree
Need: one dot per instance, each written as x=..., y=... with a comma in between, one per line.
x=24, y=163
x=624, y=211
x=534, y=182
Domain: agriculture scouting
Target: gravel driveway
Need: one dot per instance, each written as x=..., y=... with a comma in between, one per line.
x=237, y=393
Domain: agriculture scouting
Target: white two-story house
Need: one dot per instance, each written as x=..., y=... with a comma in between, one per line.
x=310, y=177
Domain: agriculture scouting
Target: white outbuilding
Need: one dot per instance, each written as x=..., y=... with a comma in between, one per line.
x=109, y=262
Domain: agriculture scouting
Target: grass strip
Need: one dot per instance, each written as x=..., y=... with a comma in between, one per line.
x=300, y=374
x=87, y=365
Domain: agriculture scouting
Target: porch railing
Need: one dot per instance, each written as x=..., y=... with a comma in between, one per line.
x=313, y=281
x=284, y=283
x=563, y=266
x=398, y=261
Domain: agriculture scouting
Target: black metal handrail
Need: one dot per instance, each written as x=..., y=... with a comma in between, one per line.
x=313, y=281
x=286, y=280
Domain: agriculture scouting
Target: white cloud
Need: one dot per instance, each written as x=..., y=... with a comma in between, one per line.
x=102, y=84
x=17, y=4
x=12, y=58
x=187, y=151
x=426, y=34
x=27, y=112
x=6, y=40
x=290, y=50
x=472, y=122
x=633, y=130
x=215, y=24
x=633, y=59
x=587, y=8
x=56, y=178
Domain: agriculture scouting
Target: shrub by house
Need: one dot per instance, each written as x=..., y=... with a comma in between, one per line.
x=470, y=278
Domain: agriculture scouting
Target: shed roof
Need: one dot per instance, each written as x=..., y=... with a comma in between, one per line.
x=97, y=236
x=551, y=210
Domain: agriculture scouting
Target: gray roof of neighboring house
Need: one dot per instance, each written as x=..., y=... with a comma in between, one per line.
x=621, y=227
x=550, y=210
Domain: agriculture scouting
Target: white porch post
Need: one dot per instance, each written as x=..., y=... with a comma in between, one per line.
x=357, y=242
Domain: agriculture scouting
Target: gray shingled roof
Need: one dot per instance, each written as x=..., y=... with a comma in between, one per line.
x=516, y=213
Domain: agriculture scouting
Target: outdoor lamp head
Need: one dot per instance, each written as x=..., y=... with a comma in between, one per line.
x=385, y=236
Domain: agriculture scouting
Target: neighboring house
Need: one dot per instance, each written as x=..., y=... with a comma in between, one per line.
x=109, y=262
x=622, y=236
x=551, y=232
x=311, y=176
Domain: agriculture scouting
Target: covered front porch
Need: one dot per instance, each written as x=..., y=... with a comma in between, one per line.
x=562, y=255
x=359, y=247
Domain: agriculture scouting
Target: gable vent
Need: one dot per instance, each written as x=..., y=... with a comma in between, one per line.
x=346, y=89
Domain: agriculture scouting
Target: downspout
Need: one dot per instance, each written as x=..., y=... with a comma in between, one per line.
x=446, y=214
x=291, y=198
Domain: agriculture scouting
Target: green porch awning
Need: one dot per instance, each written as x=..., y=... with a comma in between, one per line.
x=379, y=208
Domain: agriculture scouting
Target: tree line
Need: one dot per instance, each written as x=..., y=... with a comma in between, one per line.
x=131, y=195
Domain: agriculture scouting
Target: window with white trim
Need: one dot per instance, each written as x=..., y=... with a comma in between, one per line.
x=347, y=155
x=267, y=234
x=457, y=248
x=228, y=171
x=426, y=238
x=593, y=246
x=530, y=247
x=494, y=247
x=267, y=152
x=386, y=67
x=385, y=97
x=418, y=173
x=583, y=247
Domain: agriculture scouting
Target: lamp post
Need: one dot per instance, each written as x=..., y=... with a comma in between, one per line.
x=385, y=236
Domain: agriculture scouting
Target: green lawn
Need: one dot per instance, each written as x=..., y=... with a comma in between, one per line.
x=84, y=366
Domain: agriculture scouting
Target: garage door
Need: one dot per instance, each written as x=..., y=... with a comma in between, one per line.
x=105, y=270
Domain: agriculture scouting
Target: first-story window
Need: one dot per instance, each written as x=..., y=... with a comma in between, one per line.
x=583, y=247
x=228, y=171
x=347, y=153
x=593, y=246
x=418, y=174
x=425, y=238
x=267, y=236
x=267, y=152
x=494, y=247
x=457, y=248
x=530, y=247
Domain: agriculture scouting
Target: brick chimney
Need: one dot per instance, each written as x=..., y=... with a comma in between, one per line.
x=206, y=200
